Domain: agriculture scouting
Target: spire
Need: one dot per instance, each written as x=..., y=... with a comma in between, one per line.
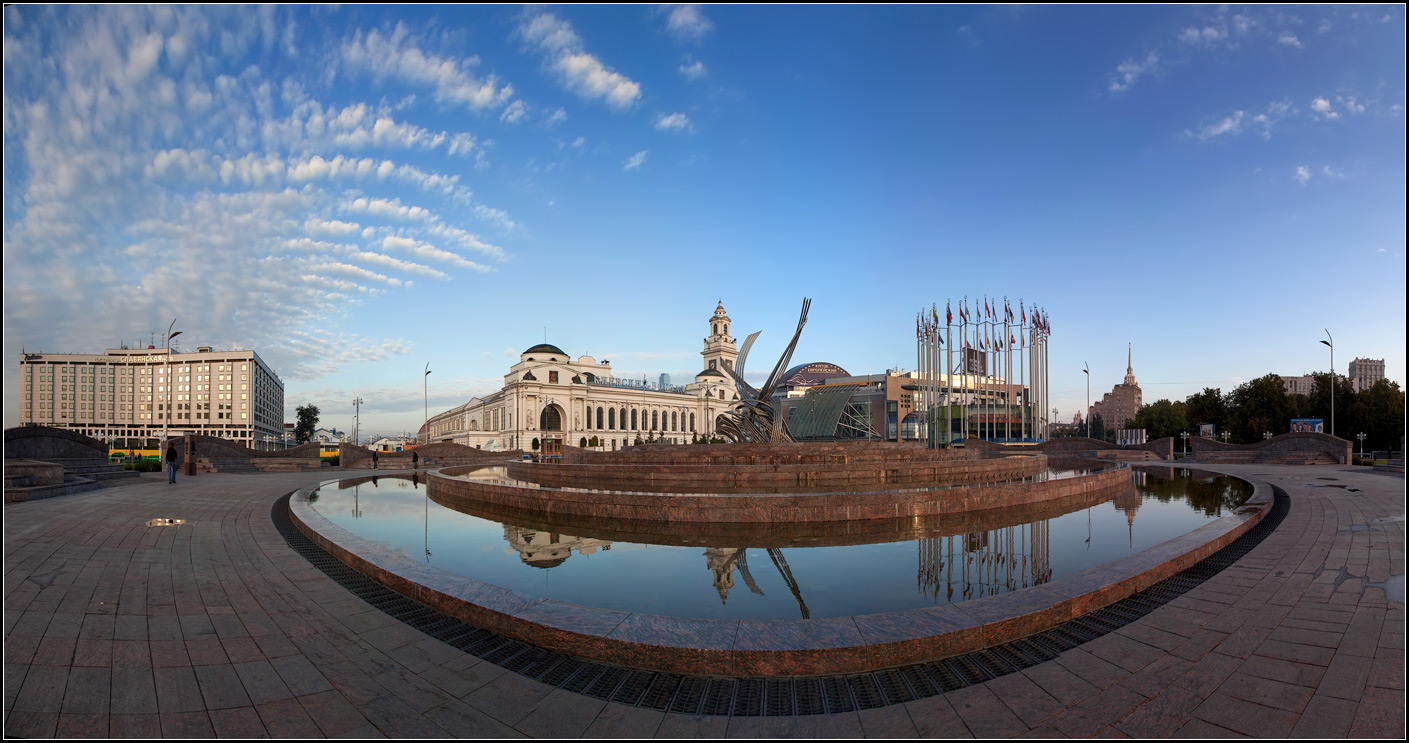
x=1129, y=367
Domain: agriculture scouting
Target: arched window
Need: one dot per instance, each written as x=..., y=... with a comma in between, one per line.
x=655, y=420
x=611, y=419
x=621, y=416
x=633, y=419
x=692, y=423
x=599, y=417
x=674, y=421
x=589, y=417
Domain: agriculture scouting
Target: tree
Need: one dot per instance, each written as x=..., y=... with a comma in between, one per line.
x=307, y=423
x=535, y=443
x=1258, y=407
x=1383, y=417
x=582, y=442
x=1161, y=419
x=1205, y=407
x=1098, y=427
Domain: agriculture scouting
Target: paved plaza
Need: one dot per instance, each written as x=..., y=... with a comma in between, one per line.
x=114, y=628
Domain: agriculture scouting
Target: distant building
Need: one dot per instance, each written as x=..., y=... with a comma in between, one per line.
x=122, y=395
x=1298, y=385
x=1364, y=373
x=1120, y=405
x=664, y=380
x=548, y=395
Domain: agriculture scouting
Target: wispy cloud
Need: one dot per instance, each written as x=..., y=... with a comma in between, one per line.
x=676, y=122
x=687, y=22
x=1323, y=107
x=635, y=161
x=579, y=72
x=1287, y=38
x=693, y=69
x=396, y=54
x=1131, y=70
x=1303, y=174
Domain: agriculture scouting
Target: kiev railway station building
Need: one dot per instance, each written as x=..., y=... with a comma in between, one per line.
x=550, y=396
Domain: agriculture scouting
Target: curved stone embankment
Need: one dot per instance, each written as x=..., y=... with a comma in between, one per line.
x=776, y=477
x=1288, y=448
x=777, y=647
x=448, y=489
x=764, y=535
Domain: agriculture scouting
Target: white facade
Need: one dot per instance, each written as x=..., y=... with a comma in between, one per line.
x=548, y=394
x=126, y=394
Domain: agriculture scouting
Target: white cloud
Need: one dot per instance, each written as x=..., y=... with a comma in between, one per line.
x=1232, y=124
x=317, y=226
x=389, y=208
x=1322, y=106
x=1287, y=38
x=579, y=72
x=396, y=55
x=687, y=22
x=514, y=113
x=635, y=161
x=693, y=70
x=555, y=118
x=1327, y=171
x=676, y=122
x=1208, y=35
x=1303, y=174
x=1129, y=71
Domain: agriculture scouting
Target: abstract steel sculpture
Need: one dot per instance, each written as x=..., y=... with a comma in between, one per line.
x=753, y=419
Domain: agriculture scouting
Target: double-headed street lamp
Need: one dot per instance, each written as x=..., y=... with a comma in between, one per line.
x=1330, y=343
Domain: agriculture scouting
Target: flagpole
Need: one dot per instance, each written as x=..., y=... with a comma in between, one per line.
x=948, y=373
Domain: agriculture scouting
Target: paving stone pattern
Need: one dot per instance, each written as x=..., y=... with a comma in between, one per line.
x=217, y=628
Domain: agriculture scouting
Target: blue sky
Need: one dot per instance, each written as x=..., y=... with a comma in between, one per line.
x=355, y=192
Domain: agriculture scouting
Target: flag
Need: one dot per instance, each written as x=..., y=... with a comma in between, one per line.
x=1024, y=311
x=948, y=316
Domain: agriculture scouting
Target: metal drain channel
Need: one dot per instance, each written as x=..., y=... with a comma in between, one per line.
x=771, y=697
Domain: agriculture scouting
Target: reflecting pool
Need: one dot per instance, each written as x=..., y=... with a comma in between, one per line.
x=782, y=571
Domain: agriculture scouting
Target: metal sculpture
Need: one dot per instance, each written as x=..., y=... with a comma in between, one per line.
x=753, y=419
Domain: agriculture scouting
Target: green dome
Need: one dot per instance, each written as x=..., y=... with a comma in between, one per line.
x=545, y=348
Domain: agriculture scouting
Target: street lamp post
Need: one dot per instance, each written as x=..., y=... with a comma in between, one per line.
x=1226, y=436
x=1185, y=435
x=356, y=420
x=166, y=414
x=1266, y=435
x=425, y=393
x=1330, y=343
x=1087, y=372
x=1361, y=436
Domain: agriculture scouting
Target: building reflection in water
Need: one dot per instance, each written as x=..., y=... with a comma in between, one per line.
x=984, y=563
x=723, y=561
x=542, y=549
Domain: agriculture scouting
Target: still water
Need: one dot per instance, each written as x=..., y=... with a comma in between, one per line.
x=780, y=571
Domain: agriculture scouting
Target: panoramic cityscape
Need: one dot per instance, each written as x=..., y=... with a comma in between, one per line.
x=492, y=370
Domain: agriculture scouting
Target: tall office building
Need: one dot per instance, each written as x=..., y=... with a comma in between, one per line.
x=1364, y=373
x=128, y=396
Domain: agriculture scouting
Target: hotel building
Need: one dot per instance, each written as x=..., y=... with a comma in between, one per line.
x=127, y=397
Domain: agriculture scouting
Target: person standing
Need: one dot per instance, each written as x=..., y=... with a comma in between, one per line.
x=171, y=462
x=374, y=459
x=415, y=457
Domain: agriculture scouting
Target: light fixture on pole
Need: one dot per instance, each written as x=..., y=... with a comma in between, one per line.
x=1361, y=436
x=425, y=393
x=1087, y=372
x=1185, y=435
x=166, y=414
x=356, y=421
x=1330, y=343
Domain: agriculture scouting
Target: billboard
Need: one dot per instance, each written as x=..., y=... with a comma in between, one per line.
x=1307, y=425
x=975, y=361
x=1205, y=430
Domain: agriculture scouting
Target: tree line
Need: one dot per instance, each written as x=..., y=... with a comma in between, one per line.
x=1263, y=406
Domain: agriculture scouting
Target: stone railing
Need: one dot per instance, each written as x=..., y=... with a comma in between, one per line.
x=44, y=443
x=1080, y=446
x=1288, y=448
x=440, y=454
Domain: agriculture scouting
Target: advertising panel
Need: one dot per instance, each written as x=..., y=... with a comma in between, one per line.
x=1205, y=430
x=1307, y=425
x=975, y=361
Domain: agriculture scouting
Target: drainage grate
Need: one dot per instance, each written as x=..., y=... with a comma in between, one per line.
x=784, y=697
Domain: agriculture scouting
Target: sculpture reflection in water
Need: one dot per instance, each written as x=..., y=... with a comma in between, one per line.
x=987, y=563
x=753, y=420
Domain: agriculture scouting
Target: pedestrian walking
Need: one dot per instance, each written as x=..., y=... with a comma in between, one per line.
x=171, y=463
x=415, y=457
x=374, y=459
